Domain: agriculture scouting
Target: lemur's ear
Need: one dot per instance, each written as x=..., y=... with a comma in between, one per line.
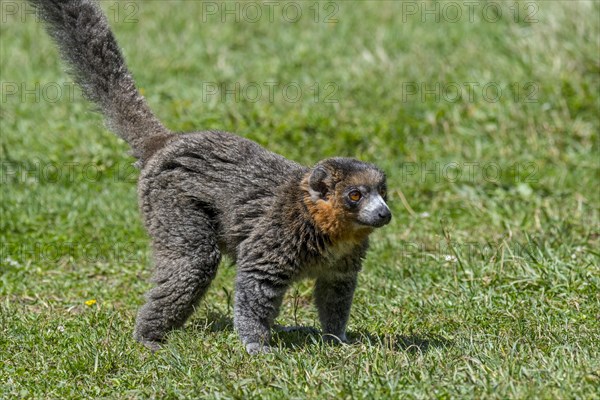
x=316, y=182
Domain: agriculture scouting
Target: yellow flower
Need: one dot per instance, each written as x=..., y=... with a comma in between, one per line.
x=90, y=302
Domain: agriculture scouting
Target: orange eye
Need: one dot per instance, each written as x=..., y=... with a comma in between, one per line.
x=383, y=192
x=355, y=195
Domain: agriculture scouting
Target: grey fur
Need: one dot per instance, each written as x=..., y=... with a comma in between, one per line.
x=202, y=194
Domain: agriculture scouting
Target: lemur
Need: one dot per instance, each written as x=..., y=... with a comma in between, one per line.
x=203, y=194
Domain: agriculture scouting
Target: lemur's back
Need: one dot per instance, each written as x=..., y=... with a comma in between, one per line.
x=229, y=177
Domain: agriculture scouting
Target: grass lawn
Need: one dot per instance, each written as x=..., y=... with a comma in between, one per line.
x=486, y=119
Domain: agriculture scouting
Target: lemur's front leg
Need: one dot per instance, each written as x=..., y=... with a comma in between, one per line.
x=333, y=298
x=259, y=291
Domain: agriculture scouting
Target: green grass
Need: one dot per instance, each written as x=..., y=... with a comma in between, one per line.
x=485, y=285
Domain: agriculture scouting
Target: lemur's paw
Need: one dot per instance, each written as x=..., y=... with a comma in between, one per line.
x=151, y=345
x=331, y=338
x=257, y=348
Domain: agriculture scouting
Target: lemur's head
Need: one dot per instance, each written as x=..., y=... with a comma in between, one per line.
x=347, y=197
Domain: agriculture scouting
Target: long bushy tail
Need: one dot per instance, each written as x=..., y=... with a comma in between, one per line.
x=86, y=42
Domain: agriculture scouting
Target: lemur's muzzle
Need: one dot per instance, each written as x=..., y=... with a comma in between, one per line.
x=375, y=213
x=384, y=216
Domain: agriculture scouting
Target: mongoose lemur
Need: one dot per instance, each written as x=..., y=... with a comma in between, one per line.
x=202, y=194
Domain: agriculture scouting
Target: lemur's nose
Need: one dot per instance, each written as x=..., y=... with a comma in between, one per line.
x=385, y=215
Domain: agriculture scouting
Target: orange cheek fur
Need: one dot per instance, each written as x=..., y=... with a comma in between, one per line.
x=332, y=219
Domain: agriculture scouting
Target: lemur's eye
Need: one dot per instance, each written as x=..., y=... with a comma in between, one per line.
x=383, y=192
x=355, y=195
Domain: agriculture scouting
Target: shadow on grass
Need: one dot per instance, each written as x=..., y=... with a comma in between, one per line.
x=214, y=322
x=412, y=343
x=297, y=337
x=294, y=337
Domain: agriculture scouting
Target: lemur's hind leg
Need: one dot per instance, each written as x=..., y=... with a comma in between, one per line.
x=186, y=260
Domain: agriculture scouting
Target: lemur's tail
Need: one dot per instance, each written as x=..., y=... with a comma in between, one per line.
x=86, y=42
